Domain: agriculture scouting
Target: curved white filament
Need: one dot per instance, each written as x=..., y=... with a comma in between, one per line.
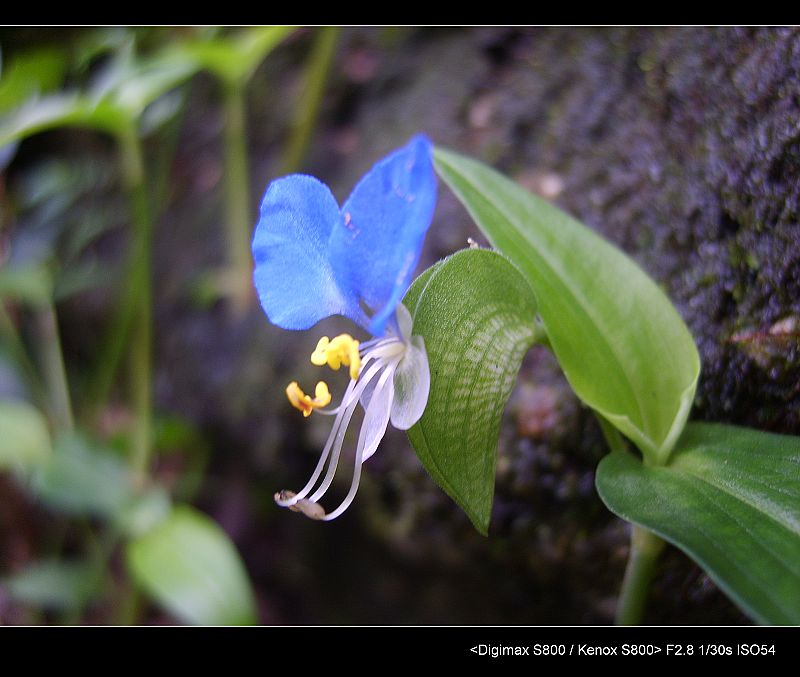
x=372, y=432
x=345, y=413
x=393, y=385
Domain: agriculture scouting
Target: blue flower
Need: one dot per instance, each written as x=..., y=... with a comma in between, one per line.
x=314, y=260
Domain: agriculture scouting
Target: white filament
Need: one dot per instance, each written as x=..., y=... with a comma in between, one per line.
x=368, y=441
x=393, y=385
x=344, y=414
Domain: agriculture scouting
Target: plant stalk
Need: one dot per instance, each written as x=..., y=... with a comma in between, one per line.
x=643, y=556
x=237, y=199
x=52, y=365
x=642, y=560
x=316, y=76
x=20, y=355
x=140, y=302
x=612, y=436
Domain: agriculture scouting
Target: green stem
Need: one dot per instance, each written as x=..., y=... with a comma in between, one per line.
x=52, y=364
x=643, y=556
x=125, y=310
x=645, y=549
x=237, y=198
x=20, y=356
x=319, y=64
x=139, y=298
x=130, y=607
x=612, y=436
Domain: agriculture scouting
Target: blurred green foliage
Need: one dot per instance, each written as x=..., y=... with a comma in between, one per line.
x=127, y=83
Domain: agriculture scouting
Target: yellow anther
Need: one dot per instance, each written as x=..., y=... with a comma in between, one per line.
x=342, y=350
x=320, y=354
x=299, y=400
x=354, y=358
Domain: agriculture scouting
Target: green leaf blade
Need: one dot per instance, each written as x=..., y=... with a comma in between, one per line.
x=730, y=499
x=589, y=293
x=232, y=58
x=25, y=441
x=60, y=110
x=476, y=314
x=189, y=565
x=26, y=283
x=55, y=584
x=83, y=477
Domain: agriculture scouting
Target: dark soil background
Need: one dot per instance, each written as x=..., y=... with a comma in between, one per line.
x=681, y=145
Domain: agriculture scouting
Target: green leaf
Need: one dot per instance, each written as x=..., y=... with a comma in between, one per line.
x=54, y=584
x=80, y=277
x=232, y=58
x=25, y=440
x=189, y=565
x=39, y=70
x=29, y=283
x=144, y=512
x=82, y=477
x=622, y=345
x=113, y=105
x=730, y=499
x=60, y=110
x=476, y=314
x=136, y=84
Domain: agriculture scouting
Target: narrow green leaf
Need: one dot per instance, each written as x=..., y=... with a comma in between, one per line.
x=28, y=283
x=25, y=440
x=730, y=499
x=54, y=584
x=116, y=102
x=140, y=83
x=31, y=73
x=232, y=58
x=189, y=565
x=59, y=110
x=80, y=277
x=622, y=345
x=477, y=316
x=82, y=477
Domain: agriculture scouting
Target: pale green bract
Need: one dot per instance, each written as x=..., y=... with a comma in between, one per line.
x=477, y=316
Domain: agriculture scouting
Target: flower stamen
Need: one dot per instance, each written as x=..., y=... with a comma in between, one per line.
x=333, y=447
x=299, y=400
x=375, y=388
x=342, y=350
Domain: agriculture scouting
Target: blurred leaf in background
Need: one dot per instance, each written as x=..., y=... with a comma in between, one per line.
x=189, y=566
x=25, y=440
x=55, y=585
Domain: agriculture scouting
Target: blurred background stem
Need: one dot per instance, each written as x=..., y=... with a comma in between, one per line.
x=137, y=305
x=316, y=77
x=48, y=344
x=237, y=199
x=8, y=331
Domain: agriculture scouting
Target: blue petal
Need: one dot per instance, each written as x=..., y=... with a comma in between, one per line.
x=385, y=220
x=293, y=274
